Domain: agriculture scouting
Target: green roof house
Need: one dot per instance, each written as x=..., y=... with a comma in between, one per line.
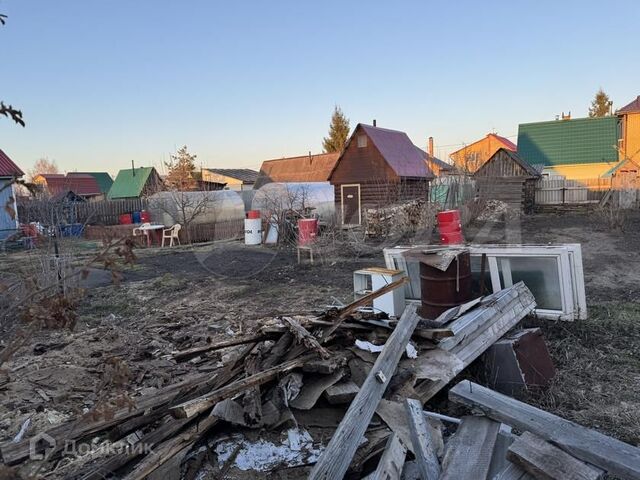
x=577, y=149
x=135, y=182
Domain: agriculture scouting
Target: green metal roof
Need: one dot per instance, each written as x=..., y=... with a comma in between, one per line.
x=562, y=142
x=128, y=185
x=103, y=178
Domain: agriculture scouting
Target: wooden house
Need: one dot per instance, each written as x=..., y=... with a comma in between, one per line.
x=577, y=149
x=629, y=142
x=135, y=183
x=56, y=185
x=508, y=178
x=471, y=157
x=9, y=171
x=228, y=178
x=305, y=168
x=377, y=167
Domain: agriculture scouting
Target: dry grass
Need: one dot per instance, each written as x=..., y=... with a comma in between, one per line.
x=598, y=370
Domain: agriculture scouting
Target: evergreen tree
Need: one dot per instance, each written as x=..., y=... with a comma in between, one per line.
x=181, y=175
x=601, y=105
x=338, y=132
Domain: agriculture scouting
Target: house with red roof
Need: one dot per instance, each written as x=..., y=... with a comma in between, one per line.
x=58, y=185
x=471, y=157
x=377, y=167
x=9, y=171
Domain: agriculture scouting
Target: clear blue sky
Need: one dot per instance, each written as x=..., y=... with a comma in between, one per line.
x=104, y=82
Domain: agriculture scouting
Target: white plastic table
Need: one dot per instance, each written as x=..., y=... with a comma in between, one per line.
x=147, y=229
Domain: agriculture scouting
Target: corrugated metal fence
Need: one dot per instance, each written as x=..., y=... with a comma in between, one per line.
x=560, y=191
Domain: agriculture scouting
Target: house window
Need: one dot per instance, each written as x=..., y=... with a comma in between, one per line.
x=362, y=141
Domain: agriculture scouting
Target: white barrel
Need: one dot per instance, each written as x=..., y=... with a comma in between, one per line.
x=252, y=231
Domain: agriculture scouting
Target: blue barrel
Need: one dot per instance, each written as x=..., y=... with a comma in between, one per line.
x=136, y=217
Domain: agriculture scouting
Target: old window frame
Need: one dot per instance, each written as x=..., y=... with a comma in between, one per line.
x=570, y=273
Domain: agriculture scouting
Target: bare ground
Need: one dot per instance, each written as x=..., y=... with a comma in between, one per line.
x=174, y=299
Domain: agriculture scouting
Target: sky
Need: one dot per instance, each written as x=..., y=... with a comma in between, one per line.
x=102, y=83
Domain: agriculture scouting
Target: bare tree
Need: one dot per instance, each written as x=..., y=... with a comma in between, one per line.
x=185, y=208
x=42, y=166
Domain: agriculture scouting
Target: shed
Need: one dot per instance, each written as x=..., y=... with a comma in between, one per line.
x=305, y=168
x=378, y=166
x=135, y=183
x=508, y=178
x=471, y=157
x=230, y=178
x=8, y=209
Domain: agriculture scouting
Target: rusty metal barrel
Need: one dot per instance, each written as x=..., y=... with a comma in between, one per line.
x=442, y=290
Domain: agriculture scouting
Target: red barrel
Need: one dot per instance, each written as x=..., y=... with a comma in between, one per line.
x=253, y=214
x=307, y=231
x=451, y=238
x=145, y=217
x=125, y=219
x=450, y=227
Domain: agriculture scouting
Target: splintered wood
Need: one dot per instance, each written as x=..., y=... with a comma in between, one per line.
x=334, y=372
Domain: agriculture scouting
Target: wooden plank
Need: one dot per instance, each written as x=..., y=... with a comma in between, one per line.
x=469, y=452
x=615, y=457
x=391, y=462
x=343, y=392
x=185, y=354
x=200, y=404
x=477, y=342
x=513, y=472
x=335, y=460
x=499, y=458
x=421, y=440
x=313, y=388
x=547, y=462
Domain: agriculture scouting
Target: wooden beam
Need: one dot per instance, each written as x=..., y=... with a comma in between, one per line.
x=512, y=472
x=335, y=460
x=421, y=439
x=200, y=404
x=305, y=338
x=547, y=462
x=391, y=462
x=615, y=457
x=499, y=458
x=470, y=450
x=185, y=354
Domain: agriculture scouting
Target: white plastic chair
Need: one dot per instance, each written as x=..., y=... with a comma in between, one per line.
x=171, y=234
x=139, y=230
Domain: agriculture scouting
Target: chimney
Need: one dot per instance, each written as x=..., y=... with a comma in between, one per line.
x=430, y=148
x=374, y=122
x=133, y=169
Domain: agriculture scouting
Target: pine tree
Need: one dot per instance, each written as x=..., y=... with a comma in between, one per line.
x=601, y=104
x=181, y=168
x=338, y=132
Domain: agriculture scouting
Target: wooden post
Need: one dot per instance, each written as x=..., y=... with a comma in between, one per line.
x=421, y=439
x=335, y=460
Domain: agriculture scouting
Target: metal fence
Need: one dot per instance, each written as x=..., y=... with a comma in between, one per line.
x=560, y=191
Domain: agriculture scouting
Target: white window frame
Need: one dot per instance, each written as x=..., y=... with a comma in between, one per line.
x=570, y=271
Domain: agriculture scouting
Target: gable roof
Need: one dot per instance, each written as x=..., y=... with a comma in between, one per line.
x=80, y=184
x=8, y=168
x=246, y=175
x=622, y=163
x=529, y=169
x=404, y=158
x=103, y=178
x=633, y=107
x=305, y=168
x=569, y=142
x=441, y=163
x=129, y=185
x=507, y=144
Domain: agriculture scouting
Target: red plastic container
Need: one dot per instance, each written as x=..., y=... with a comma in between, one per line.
x=307, y=231
x=145, y=217
x=252, y=214
x=451, y=238
x=449, y=216
x=125, y=219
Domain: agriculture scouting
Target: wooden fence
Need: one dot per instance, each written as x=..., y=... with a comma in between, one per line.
x=560, y=191
x=49, y=212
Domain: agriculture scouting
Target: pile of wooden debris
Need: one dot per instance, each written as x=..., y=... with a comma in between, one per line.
x=356, y=378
